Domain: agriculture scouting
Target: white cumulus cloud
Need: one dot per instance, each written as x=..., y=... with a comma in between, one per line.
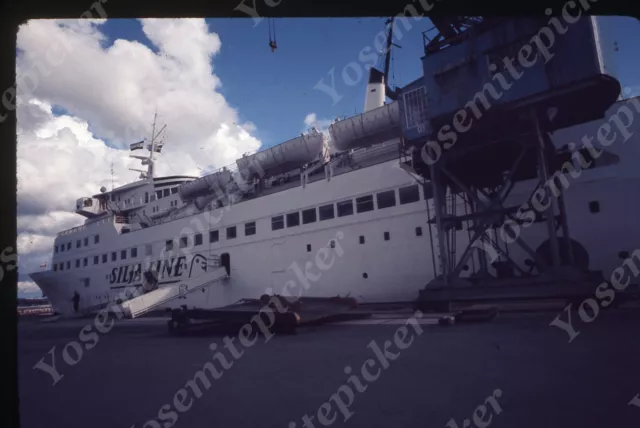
x=311, y=120
x=109, y=95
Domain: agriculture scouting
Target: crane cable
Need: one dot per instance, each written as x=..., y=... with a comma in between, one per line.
x=272, y=35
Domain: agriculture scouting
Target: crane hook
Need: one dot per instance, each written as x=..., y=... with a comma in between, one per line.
x=272, y=35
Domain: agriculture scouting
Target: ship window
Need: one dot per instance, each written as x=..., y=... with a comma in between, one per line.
x=409, y=194
x=326, y=212
x=158, y=194
x=62, y=248
x=277, y=222
x=55, y=249
x=104, y=258
x=96, y=239
x=386, y=236
x=174, y=190
x=95, y=260
x=113, y=197
x=113, y=256
x=361, y=239
x=364, y=203
x=184, y=241
x=386, y=199
x=86, y=241
x=85, y=262
x=250, y=228
x=166, y=192
x=308, y=248
x=78, y=263
x=123, y=254
x=134, y=252
x=78, y=243
x=345, y=208
x=231, y=232
x=293, y=219
x=594, y=206
x=146, y=197
x=198, y=239
x=148, y=249
x=61, y=266
x=68, y=246
x=309, y=216
x=418, y=231
x=55, y=267
x=169, y=245
x=68, y=265
x=214, y=236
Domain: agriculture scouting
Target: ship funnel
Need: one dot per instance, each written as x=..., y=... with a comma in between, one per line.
x=375, y=90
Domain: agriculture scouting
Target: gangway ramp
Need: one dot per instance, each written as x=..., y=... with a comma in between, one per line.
x=148, y=302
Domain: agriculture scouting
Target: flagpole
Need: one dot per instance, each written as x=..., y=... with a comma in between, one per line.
x=153, y=146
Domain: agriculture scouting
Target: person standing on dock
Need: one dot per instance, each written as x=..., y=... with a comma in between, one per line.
x=76, y=301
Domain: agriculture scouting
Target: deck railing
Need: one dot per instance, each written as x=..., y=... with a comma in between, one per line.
x=84, y=226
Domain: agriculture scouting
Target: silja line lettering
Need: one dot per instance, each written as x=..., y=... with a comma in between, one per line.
x=174, y=267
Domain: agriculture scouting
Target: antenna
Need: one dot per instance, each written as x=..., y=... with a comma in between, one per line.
x=112, y=184
x=154, y=146
x=389, y=92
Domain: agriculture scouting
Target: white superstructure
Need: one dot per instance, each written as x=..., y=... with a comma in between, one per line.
x=298, y=220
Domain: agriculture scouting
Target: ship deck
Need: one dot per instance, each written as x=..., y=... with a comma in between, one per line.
x=445, y=372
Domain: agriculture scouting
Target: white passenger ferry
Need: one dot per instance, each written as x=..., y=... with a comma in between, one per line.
x=312, y=219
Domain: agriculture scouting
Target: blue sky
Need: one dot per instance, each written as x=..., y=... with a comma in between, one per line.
x=276, y=91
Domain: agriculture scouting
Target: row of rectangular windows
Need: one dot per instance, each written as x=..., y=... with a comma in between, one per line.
x=166, y=192
x=345, y=208
x=67, y=246
x=96, y=259
x=386, y=199
x=158, y=195
x=214, y=236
